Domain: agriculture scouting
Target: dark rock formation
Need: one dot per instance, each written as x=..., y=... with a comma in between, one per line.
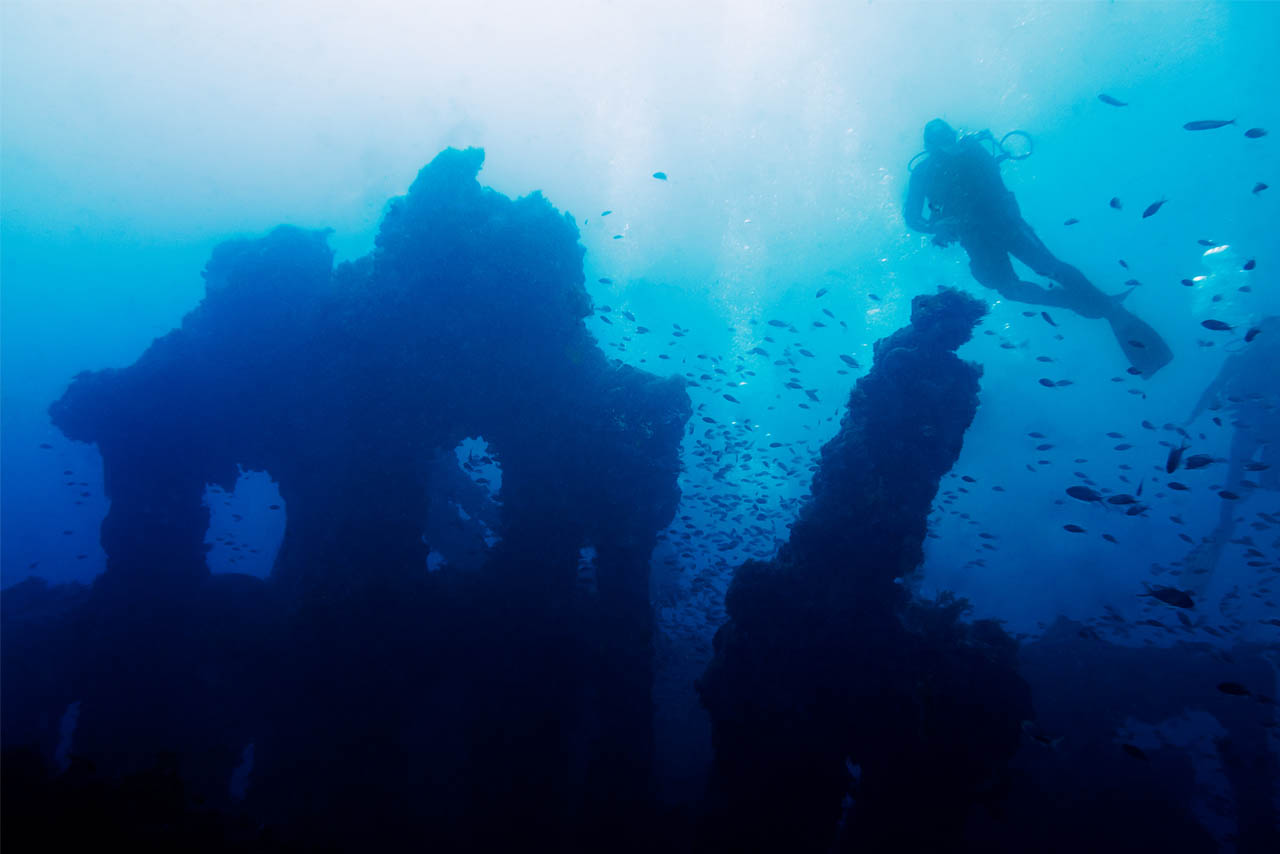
x=826, y=665
x=1089, y=693
x=493, y=701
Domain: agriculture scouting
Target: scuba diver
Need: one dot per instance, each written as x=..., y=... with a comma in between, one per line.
x=968, y=202
x=1247, y=384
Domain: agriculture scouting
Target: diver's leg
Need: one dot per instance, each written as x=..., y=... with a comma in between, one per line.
x=1244, y=444
x=1081, y=295
x=1142, y=345
x=990, y=265
x=1200, y=562
x=1270, y=477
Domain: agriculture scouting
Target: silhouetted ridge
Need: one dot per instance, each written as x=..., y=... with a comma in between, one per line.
x=386, y=705
x=826, y=665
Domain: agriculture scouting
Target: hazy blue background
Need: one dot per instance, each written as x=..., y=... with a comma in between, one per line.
x=137, y=135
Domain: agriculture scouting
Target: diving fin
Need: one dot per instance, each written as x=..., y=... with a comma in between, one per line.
x=1142, y=345
x=1119, y=299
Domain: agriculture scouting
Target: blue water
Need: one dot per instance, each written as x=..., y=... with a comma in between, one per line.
x=138, y=138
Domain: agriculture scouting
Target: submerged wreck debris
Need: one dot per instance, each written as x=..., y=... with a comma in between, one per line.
x=371, y=688
x=827, y=662
x=441, y=660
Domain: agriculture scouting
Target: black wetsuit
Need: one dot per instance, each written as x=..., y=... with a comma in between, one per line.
x=963, y=185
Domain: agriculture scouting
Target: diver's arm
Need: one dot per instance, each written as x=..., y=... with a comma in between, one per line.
x=915, y=203
x=1205, y=401
x=1211, y=394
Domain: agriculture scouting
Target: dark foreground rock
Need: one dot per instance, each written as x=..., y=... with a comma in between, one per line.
x=846, y=715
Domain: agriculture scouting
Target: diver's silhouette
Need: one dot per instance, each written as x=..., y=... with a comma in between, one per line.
x=969, y=203
x=1246, y=388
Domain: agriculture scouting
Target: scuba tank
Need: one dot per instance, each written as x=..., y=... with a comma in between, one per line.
x=999, y=149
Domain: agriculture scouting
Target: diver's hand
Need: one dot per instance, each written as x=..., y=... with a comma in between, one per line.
x=946, y=231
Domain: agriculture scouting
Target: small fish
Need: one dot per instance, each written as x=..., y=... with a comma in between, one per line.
x=1208, y=124
x=1030, y=728
x=1083, y=493
x=1256, y=133
x=1107, y=99
x=1109, y=538
x=1250, y=264
x=661, y=176
x=1134, y=751
x=1228, y=495
x=1047, y=318
x=731, y=398
x=1178, y=486
x=1123, y=263
x=1258, y=188
x=1122, y=499
x=1171, y=596
x=849, y=360
x=821, y=292
x=1071, y=221
x=1061, y=383
x=1075, y=529
x=1116, y=203
x=1235, y=689
x=1153, y=207
x=605, y=281
x=1046, y=382
x=1251, y=334
x=1175, y=457
x=1216, y=325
